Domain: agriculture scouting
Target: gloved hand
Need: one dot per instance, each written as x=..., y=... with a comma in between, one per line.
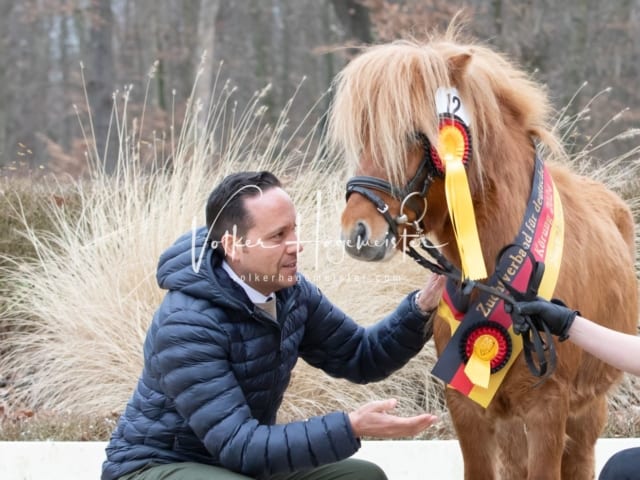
x=554, y=314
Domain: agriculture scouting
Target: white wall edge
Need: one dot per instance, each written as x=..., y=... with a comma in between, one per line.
x=401, y=459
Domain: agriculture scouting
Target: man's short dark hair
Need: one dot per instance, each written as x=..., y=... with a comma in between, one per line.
x=225, y=207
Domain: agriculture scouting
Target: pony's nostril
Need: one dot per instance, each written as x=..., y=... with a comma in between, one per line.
x=360, y=234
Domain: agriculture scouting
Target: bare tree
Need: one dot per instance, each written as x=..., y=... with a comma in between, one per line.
x=277, y=42
x=101, y=81
x=206, y=45
x=354, y=17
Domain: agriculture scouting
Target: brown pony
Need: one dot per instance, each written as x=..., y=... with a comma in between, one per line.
x=384, y=121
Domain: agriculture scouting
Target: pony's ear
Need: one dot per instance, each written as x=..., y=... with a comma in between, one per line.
x=458, y=64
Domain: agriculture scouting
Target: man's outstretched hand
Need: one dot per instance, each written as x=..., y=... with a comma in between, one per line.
x=374, y=420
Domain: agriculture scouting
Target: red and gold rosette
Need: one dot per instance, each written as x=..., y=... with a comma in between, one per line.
x=453, y=143
x=486, y=349
x=451, y=155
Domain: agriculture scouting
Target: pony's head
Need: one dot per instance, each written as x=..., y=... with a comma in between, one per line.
x=402, y=109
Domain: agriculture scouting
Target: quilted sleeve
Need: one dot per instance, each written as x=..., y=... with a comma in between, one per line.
x=341, y=347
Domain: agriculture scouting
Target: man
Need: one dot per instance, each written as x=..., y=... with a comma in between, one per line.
x=219, y=353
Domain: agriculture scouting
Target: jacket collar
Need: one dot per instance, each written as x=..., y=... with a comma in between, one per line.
x=254, y=295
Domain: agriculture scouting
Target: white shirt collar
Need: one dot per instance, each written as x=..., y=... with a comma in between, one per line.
x=254, y=295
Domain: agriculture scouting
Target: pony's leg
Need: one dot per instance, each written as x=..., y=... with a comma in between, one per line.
x=546, y=424
x=583, y=429
x=475, y=435
x=511, y=440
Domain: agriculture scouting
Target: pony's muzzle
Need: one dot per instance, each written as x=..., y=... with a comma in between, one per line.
x=359, y=243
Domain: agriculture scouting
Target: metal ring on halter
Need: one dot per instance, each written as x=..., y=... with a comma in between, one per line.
x=402, y=218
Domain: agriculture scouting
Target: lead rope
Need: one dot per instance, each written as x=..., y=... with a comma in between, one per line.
x=540, y=354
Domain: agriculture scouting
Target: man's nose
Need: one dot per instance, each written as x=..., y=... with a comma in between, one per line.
x=294, y=245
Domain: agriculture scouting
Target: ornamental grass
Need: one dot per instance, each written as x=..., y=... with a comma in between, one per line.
x=80, y=290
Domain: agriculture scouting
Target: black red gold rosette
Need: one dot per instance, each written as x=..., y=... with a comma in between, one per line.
x=489, y=341
x=454, y=142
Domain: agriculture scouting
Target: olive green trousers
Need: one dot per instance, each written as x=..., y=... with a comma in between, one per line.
x=350, y=469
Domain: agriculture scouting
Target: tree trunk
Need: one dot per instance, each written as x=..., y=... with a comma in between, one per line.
x=101, y=83
x=355, y=19
x=207, y=21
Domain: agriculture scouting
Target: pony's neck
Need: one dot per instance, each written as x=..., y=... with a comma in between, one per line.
x=499, y=208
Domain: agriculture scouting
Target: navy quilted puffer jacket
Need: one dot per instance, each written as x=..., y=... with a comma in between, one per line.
x=216, y=369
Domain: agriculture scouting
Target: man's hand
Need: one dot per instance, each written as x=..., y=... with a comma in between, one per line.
x=554, y=314
x=427, y=299
x=374, y=420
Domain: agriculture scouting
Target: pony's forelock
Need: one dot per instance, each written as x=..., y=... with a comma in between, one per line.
x=382, y=101
x=387, y=94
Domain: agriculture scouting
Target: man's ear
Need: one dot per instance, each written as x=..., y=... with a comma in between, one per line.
x=228, y=243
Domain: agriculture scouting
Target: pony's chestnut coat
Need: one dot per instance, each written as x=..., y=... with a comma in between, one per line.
x=387, y=94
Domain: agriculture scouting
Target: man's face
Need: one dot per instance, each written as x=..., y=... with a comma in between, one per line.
x=266, y=257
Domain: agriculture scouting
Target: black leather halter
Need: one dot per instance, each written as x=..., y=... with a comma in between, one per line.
x=414, y=190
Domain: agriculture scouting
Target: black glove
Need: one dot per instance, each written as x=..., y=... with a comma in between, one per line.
x=554, y=314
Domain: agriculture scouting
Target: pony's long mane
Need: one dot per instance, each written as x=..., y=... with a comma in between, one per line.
x=386, y=95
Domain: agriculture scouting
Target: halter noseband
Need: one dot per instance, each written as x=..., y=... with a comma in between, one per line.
x=416, y=187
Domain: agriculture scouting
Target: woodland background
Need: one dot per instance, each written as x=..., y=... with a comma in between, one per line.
x=47, y=46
